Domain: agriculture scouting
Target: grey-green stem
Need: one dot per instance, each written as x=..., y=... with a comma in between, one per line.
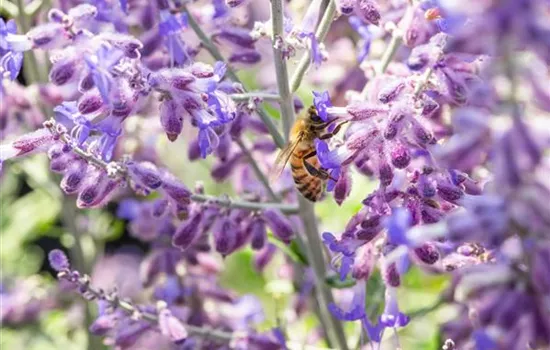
x=320, y=34
x=201, y=198
x=213, y=50
x=287, y=105
x=313, y=245
x=130, y=309
x=264, y=96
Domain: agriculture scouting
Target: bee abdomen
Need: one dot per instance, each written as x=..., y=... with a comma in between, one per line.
x=309, y=186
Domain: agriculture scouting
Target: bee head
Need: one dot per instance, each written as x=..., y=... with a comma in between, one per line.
x=314, y=116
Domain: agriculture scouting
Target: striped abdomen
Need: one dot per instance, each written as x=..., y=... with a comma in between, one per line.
x=311, y=187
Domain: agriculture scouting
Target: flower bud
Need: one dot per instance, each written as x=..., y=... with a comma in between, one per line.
x=82, y=12
x=391, y=91
x=385, y=173
x=427, y=253
x=234, y=3
x=345, y=7
x=400, y=157
x=235, y=36
x=429, y=106
x=187, y=232
x=126, y=43
x=225, y=235
x=245, y=56
x=90, y=102
x=58, y=260
x=171, y=118
x=391, y=276
x=342, y=188
x=449, y=192
x=257, y=232
x=175, y=189
x=86, y=83
x=171, y=327
x=264, y=256
x=368, y=10
x=48, y=36
x=62, y=71
x=159, y=207
x=144, y=173
x=74, y=177
x=279, y=224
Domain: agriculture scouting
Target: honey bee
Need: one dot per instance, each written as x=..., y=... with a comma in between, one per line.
x=308, y=175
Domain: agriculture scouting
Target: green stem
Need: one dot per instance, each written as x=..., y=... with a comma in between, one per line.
x=320, y=34
x=287, y=105
x=213, y=50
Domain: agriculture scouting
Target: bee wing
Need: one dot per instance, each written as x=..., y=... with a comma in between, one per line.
x=283, y=157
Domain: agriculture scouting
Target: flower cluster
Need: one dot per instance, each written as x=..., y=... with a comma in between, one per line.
x=448, y=122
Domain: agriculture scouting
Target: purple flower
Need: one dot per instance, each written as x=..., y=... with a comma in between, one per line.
x=11, y=47
x=392, y=317
x=171, y=28
x=171, y=327
x=357, y=311
x=100, y=64
x=363, y=30
x=321, y=101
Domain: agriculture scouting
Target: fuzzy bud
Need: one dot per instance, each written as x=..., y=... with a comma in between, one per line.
x=264, y=256
x=246, y=57
x=171, y=118
x=48, y=36
x=74, y=177
x=62, y=72
x=225, y=235
x=449, y=192
x=391, y=275
x=234, y=3
x=187, y=232
x=385, y=173
x=58, y=260
x=90, y=102
x=400, y=157
x=145, y=174
x=345, y=7
x=368, y=10
x=391, y=91
x=175, y=189
x=279, y=224
x=257, y=233
x=427, y=253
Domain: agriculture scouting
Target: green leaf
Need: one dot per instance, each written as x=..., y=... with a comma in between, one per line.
x=416, y=278
x=292, y=250
x=334, y=282
x=375, y=295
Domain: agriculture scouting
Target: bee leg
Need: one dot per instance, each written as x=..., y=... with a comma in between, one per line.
x=313, y=171
x=334, y=132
